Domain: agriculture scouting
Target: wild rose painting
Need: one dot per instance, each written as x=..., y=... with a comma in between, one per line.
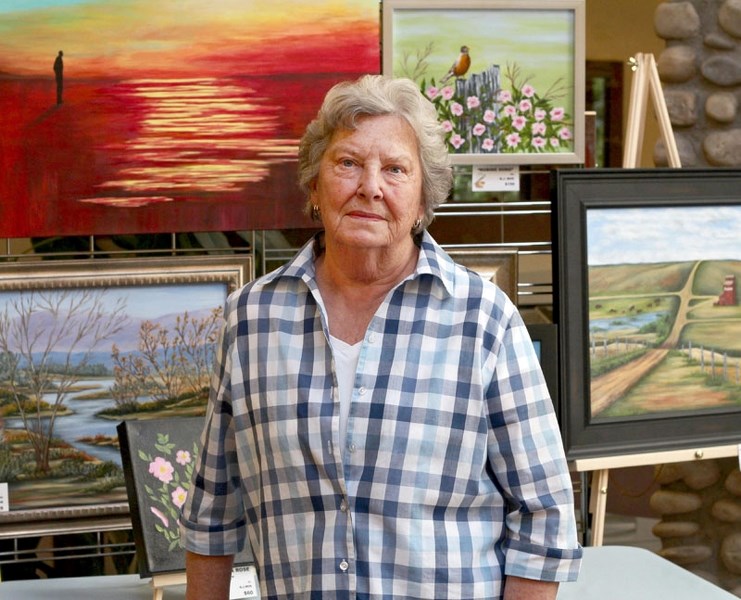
x=132, y=116
x=506, y=78
x=158, y=458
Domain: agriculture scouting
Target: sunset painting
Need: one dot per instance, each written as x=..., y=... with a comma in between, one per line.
x=132, y=116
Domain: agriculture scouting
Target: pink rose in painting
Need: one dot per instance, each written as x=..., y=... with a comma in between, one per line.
x=160, y=516
x=456, y=108
x=473, y=102
x=564, y=133
x=525, y=105
x=162, y=469
x=538, y=142
x=487, y=144
x=447, y=92
x=538, y=128
x=557, y=114
x=510, y=110
x=513, y=139
x=489, y=116
x=540, y=114
x=447, y=126
x=178, y=496
x=182, y=457
x=519, y=123
x=555, y=142
x=478, y=129
x=504, y=96
x=457, y=141
x=432, y=92
x=528, y=91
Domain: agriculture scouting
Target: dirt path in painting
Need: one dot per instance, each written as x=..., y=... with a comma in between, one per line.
x=610, y=387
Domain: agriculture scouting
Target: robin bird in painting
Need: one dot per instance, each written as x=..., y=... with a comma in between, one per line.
x=460, y=66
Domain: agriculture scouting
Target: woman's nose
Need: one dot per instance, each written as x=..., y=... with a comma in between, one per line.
x=369, y=186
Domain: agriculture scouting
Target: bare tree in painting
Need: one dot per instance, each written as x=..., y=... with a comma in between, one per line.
x=168, y=364
x=48, y=338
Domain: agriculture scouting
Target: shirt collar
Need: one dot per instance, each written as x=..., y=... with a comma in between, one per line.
x=432, y=260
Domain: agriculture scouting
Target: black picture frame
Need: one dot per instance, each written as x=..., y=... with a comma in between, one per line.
x=645, y=209
x=545, y=340
x=158, y=457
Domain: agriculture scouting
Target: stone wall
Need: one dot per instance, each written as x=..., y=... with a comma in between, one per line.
x=700, y=527
x=700, y=72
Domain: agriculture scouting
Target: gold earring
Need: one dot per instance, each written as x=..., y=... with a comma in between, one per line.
x=416, y=225
x=315, y=212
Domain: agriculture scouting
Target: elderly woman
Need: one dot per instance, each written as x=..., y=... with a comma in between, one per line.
x=378, y=425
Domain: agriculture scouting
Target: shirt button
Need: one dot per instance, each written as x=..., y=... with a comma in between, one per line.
x=372, y=338
x=351, y=447
x=343, y=506
x=362, y=391
x=344, y=565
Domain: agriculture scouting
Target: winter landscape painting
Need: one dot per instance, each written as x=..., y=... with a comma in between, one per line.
x=83, y=348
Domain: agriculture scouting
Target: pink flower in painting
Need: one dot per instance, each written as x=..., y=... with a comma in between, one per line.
x=162, y=469
x=519, y=123
x=538, y=128
x=538, y=142
x=487, y=144
x=510, y=110
x=473, y=102
x=528, y=91
x=432, y=92
x=504, y=96
x=182, y=457
x=478, y=129
x=564, y=133
x=447, y=92
x=447, y=126
x=525, y=105
x=456, y=109
x=457, y=141
x=540, y=114
x=178, y=496
x=513, y=139
x=557, y=114
x=555, y=142
x=489, y=116
x=160, y=516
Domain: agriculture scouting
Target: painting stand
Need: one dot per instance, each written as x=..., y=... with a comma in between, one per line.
x=600, y=468
x=160, y=582
x=645, y=80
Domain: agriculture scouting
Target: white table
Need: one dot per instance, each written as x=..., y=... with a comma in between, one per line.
x=608, y=573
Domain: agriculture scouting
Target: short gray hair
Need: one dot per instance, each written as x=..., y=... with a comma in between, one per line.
x=378, y=95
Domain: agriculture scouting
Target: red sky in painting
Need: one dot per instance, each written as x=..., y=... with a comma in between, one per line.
x=190, y=127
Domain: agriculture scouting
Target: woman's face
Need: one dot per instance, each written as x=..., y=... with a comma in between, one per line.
x=369, y=187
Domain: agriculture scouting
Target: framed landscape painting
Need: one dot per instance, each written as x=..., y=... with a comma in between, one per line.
x=649, y=263
x=125, y=116
x=86, y=344
x=506, y=76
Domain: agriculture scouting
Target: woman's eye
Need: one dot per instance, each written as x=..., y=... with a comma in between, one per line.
x=346, y=162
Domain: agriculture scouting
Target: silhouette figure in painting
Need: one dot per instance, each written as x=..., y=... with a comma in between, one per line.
x=59, y=75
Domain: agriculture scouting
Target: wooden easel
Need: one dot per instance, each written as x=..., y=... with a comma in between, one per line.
x=160, y=582
x=645, y=80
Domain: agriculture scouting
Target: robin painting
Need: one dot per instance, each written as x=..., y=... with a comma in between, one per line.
x=460, y=66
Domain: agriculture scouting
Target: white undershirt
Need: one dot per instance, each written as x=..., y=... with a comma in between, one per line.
x=346, y=363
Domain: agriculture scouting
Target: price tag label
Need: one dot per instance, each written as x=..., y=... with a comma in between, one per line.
x=739, y=456
x=495, y=179
x=244, y=583
x=4, y=498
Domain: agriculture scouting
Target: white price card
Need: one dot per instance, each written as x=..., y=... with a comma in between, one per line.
x=4, y=499
x=495, y=179
x=244, y=583
x=739, y=457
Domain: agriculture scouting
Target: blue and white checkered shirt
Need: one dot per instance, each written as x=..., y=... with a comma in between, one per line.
x=452, y=473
